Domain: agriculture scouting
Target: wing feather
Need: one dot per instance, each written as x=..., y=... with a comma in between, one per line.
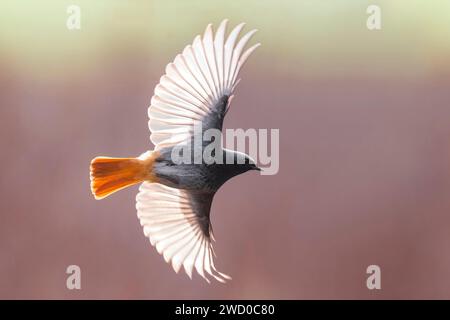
x=173, y=221
x=219, y=41
x=194, y=83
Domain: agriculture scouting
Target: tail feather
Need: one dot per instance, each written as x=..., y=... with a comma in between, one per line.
x=109, y=175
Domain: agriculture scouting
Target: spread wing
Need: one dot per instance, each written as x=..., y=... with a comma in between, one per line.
x=177, y=223
x=198, y=85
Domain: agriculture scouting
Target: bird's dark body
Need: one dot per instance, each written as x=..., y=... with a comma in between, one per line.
x=201, y=179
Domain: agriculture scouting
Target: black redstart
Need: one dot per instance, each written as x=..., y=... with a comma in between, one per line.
x=174, y=200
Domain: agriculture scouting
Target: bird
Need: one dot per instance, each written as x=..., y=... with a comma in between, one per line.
x=174, y=199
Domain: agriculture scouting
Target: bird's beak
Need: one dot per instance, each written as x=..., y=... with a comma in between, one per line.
x=257, y=169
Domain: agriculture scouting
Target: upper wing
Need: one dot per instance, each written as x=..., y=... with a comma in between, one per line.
x=199, y=79
x=177, y=223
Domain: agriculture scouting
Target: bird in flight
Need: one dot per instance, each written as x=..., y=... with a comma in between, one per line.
x=174, y=199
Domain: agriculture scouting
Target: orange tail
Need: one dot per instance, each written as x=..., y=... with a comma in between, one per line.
x=109, y=175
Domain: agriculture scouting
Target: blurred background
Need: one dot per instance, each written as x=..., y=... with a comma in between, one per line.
x=364, y=119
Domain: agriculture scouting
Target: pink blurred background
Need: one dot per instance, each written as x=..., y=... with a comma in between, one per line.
x=364, y=119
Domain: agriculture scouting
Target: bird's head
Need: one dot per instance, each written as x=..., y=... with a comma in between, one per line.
x=243, y=162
